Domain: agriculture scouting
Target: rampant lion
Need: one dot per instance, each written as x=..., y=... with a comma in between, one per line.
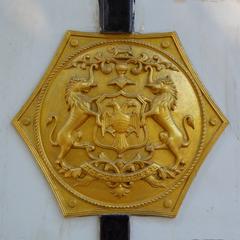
x=79, y=106
x=162, y=104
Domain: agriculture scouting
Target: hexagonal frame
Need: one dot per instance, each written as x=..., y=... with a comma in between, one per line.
x=70, y=204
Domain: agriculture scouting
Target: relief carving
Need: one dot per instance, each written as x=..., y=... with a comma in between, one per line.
x=121, y=122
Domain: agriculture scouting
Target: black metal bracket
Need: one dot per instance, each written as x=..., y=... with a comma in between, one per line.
x=116, y=16
x=114, y=227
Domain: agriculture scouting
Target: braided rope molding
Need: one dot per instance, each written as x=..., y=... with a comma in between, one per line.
x=37, y=134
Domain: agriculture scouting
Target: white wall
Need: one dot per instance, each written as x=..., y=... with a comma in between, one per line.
x=30, y=31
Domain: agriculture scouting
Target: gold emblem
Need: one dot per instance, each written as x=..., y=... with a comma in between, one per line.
x=120, y=124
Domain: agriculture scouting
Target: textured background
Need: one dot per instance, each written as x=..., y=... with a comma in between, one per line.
x=30, y=31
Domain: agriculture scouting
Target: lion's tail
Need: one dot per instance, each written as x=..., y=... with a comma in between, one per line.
x=187, y=120
x=50, y=120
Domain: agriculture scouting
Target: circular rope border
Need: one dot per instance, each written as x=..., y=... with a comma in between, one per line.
x=40, y=148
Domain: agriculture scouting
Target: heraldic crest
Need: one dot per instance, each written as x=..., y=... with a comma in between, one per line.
x=120, y=124
x=105, y=90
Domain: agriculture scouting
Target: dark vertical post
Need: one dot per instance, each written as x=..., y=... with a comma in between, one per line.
x=116, y=16
x=114, y=227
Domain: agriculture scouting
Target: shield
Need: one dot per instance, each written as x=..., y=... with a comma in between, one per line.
x=122, y=116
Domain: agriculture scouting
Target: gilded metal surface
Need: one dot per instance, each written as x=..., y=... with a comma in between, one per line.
x=120, y=124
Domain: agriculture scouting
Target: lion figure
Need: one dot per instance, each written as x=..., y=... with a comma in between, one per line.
x=79, y=107
x=163, y=103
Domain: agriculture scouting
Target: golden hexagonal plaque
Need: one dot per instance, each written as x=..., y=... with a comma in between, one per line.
x=120, y=124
